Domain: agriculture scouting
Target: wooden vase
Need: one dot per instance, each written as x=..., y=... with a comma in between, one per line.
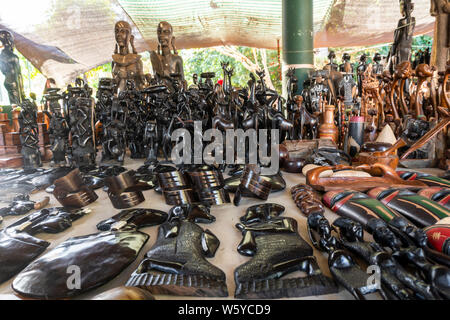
x=328, y=129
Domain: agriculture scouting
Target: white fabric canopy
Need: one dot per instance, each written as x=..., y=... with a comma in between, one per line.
x=63, y=38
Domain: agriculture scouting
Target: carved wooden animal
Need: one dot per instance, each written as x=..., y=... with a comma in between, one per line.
x=304, y=118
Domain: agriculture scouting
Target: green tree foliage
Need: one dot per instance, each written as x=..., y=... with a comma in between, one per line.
x=94, y=75
x=209, y=60
x=419, y=43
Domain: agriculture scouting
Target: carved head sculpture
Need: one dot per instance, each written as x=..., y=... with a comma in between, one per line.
x=298, y=100
x=346, y=57
x=331, y=56
x=363, y=58
x=423, y=70
x=403, y=70
x=7, y=40
x=122, y=31
x=377, y=57
x=406, y=7
x=165, y=35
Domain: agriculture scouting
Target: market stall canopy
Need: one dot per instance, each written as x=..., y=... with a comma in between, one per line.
x=64, y=38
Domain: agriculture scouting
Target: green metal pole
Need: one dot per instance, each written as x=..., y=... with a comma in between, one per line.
x=298, y=38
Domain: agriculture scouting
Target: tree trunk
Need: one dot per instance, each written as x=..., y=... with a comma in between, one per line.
x=248, y=64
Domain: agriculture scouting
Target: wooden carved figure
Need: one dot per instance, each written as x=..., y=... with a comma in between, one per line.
x=126, y=64
x=29, y=135
x=10, y=67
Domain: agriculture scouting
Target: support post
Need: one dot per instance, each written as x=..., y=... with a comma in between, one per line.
x=298, y=38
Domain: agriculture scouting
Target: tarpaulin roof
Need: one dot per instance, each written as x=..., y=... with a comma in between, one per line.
x=63, y=38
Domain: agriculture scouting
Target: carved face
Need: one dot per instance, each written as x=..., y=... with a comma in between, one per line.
x=122, y=32
x=348, y=77
x=406, y=7
x=331, y=55
x=104, y=97
x=6, y=40
x=402, y=8
x=164, y=34
x=377, y=57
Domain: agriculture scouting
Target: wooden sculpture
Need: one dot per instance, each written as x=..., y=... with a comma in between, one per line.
x=360, y=71
x=10, y=67
x=401, y=48
x=370, y=98
x=29, y=135
x=388, y=178
x=414, y=130
x=444, y=109
x=402, y=72
x=166, y=61
x=127, y=64
x=346, y=65
x=303, y=118
x=423, y=72
x=328, y=129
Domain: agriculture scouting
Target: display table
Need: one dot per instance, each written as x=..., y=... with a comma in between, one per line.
x=227, y=258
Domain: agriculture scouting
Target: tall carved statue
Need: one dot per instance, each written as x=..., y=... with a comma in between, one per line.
x=10, y=67
x=362, y=66
x=58, y=128
x=29, y=135
x=441, y=46
x=403, y=36
x=346, y=66
x=166, y=63
x=332, y=65
x=127, y=64
x=378, y=67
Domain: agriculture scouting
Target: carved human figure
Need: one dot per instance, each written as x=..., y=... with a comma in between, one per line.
x=114, y=140
x=10, y=67
x=166, y=62
x=81, y=126
x=346, y=66
x=441, y=51
x=58, y=128
x=105, y=94
x=151, y=142
x=135, y=122
x=332, y=65
x=318, y=92
x=377, y=65
x=401, y=48
x=347, y=90
x=360, y=72
x=29, y=135
x=127, y=64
